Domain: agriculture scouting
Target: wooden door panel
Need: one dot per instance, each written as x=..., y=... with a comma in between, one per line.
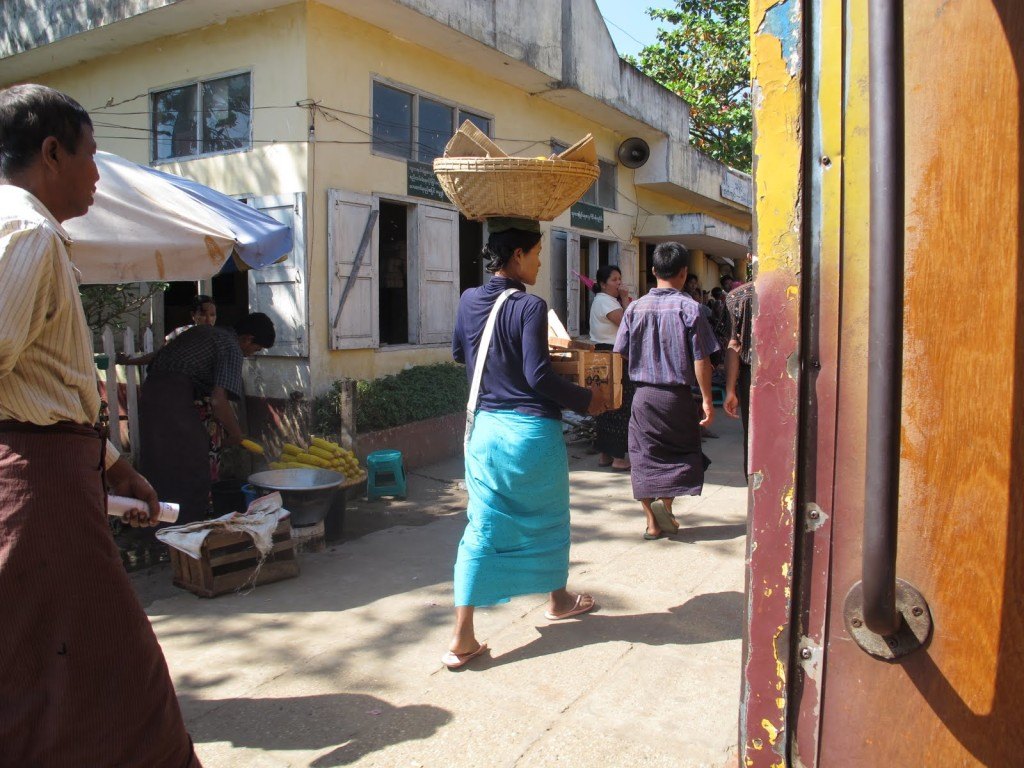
x=962, y=451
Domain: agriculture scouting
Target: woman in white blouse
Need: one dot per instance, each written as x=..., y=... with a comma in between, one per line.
x=610, y=301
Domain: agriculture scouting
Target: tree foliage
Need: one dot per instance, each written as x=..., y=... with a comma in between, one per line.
x=704, y=57
x=110, y=304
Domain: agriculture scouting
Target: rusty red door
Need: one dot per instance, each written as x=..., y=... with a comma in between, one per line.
x=812, y=695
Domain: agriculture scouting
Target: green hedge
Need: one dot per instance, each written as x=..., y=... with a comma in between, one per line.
x=418, y=393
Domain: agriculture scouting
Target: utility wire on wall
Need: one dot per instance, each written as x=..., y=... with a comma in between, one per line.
x=331, y=115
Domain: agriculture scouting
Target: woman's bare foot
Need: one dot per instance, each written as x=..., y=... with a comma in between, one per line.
x=622, y=464
x=463, y=637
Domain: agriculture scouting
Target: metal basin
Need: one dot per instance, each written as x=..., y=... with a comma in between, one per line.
x=306, y=493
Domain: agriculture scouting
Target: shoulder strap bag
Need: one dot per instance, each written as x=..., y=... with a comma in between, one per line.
x=481, y=358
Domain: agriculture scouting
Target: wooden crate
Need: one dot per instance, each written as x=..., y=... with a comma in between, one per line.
x=586, y=368
x=229, y=559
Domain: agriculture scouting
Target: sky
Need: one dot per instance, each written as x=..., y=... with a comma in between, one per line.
x=631, y=28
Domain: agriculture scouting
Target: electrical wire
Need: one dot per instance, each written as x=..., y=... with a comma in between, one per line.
x=331, y=114
x=627, y=34
x=327, y=112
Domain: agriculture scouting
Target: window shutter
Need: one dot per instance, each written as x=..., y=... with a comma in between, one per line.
x=354, y=324
x=572, y=287
x=279, y=290
x=628, y=263
x=437, y=233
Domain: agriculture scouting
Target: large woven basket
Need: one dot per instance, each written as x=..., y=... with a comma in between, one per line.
x=527, y=188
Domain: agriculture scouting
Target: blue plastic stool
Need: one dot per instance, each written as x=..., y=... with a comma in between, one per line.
x=717, y=395
x=385, y=475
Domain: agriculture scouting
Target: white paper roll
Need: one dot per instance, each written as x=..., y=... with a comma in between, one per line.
x=118, y=505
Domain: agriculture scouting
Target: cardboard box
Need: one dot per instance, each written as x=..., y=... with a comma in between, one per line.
x=587, y=368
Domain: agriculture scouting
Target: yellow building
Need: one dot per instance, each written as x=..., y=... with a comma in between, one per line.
x=327, y=114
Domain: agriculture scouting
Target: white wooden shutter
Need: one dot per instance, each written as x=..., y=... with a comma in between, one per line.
x=629, y=264
x=279, y=290
x=356, y=324
x=437, y=237
x=572, y=285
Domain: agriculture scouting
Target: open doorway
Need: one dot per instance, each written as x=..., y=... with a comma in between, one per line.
x=588, y=267
x=231, y=295
x=178, y=305
x=594, y=254
x=394, y=273
x=471, y=263
x=646, y=272
x=560, y=274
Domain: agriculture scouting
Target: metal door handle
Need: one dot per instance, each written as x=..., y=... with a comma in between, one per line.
x=886, y=616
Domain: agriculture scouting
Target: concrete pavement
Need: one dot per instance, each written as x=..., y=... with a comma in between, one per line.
x=341, y=665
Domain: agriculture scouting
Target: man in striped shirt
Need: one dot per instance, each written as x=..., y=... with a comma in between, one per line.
x=82, y=678
x=667, y=343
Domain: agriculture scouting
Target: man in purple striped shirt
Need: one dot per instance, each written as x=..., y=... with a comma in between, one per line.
x=667, y=342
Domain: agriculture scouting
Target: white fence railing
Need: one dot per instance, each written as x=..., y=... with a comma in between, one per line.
x=133, y=377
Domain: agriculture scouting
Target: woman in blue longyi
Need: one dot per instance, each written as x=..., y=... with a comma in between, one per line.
x=517, y=473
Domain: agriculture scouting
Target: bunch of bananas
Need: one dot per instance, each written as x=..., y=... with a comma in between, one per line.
x=319, y=454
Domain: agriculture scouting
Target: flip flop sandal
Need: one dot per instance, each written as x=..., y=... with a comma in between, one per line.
x=666, y=520
x=457, y=660
x=576, y=609
x=653, y=536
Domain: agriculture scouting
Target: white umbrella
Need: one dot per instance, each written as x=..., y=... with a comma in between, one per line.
x=146, y=225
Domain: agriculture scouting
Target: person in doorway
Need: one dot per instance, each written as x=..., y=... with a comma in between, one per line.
x=610, y=300
x=738, y=359
x=204, y=362
x=517, y=473
x=83, y=681
x=667, y=343
x=204, y=312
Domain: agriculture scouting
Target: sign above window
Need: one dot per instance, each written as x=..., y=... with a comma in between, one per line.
x=587, y=216
x=201, y=118
x=422, y=182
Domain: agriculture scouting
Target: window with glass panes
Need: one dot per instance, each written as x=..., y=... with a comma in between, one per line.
x=603, y=191
x=415, y=126
x=203, y=117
